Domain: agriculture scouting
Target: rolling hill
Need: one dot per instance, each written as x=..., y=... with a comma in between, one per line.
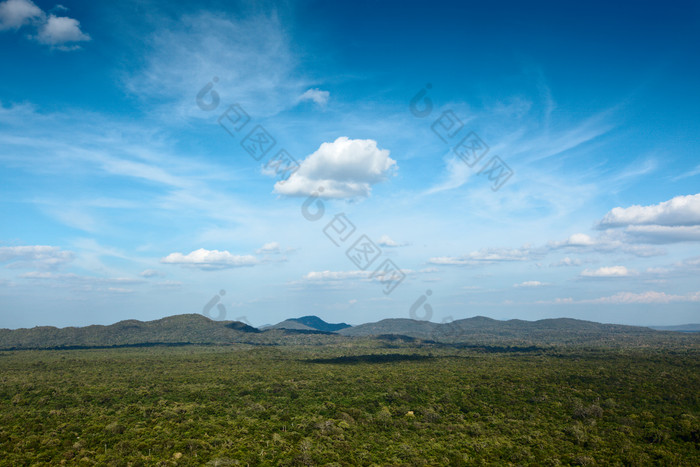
x=308, y=323
x=480, y=329
x=311, y=330
x=178, y=329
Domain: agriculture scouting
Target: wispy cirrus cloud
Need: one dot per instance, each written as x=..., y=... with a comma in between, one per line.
x=249, y=59
x=316, y=95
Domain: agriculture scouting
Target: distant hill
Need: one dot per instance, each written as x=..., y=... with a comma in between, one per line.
x=290, y=324
x=480, y=329
x=308, y=323
x=190, y=328
x=320, y=325
x=679, y=328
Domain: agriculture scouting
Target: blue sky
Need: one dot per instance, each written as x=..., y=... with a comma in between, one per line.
x=124, y=196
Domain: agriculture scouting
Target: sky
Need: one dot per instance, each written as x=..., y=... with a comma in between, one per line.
x=258, y=161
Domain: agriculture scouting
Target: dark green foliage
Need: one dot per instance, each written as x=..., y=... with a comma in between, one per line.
x=404, y=405
x=238, y=326
x=373, y=358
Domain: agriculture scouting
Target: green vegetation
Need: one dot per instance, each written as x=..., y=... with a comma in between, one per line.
x=362, y=401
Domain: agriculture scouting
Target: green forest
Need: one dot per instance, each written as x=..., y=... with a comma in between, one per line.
x=358, y=402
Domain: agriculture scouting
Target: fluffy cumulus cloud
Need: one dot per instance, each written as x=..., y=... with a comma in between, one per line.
x=681, y=210
x=672, y=221
x=210, y=259
x=345, y=168
x=41, y=256
x=16, y=13
x=59, y=32
x=316, y=95
x=608, y=271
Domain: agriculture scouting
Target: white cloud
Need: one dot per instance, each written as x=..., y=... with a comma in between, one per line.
x=690, y=173
x=645, y=297
x=578, y=239
x=388, y=242
x=608, y=271
x=335, y=278
x=457, y=174
x=345, y=168
x=607, y=242
x=486, y=256
x=151, y=273
x=566, y=262
x=210, y=259
x=269, y=248
x=530, y=284
x=35, y=256
x=681, y=210
x=318, y=96
x=16, y=13
x=59, y=31
x=673, y=221
x=336, y=275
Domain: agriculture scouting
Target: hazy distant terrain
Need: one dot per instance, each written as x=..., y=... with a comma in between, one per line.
x=679, y=328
